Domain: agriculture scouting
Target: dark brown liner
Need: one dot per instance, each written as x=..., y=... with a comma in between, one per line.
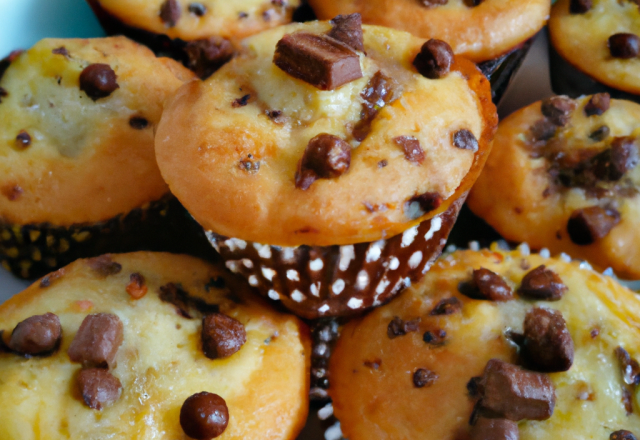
x=33, y=250
x=501, y=71
x=323, y=281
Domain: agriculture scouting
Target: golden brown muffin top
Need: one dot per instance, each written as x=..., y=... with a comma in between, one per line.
x=230, y=147
x=79, y=148
x=160, y=300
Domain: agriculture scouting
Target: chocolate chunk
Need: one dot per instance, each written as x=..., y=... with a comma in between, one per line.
x=378, y=93
x=241, y=102
x=548, y=346
x=600, y=133
x=98, y=81
x=447, y=306
x=36, y=335
x=622, y=435
x=558, y=109
x=543, y=130
x=624, y=45
x=434, y=59
x=104, y=265
x=413, y=152
x=433, y=3
x=419, y=205
x=424, y=378
x=348, y=29
x=197, y=9
x=435, y=338
x=516, y=394
x=222, y=336
x=60, y=51
x=465, y=140
x=136, y=287
x=170, y=12
x=613, y=163
x=598, y=104
x=580, y=6
x=99, y=388
x=489, y=285
x=138, y=122
x=542, y=284
x=494, y=429
x=23, y=140
x=319, y=60
x=204, y=416
x=630, y=367
x=588, y=225
x=399, y=327
x=205, y=56
x=97, y=341
x=326, y=156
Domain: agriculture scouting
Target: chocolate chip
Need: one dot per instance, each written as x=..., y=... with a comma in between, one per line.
x=630, y=367
x=598, y=104
x=170, y=12
x=580, y=6
x=206, y=55
x=447, y=306
x=319, y=60
x=97, y=341
x=543, y=130
x=383, y=163
x=250, y=166
x=61, y=51
x=23, y=140
x=622, y=435
x=275, y=115
x=138, y=122
x=613, y=163
x=241, y=102
x=222, y=336
x=197, y=9
x=434, y=59
x=600, y=133
x=326, y=156
x=348, y=29
x=435, y=338
x=242, y=15
x=99, y=388
x=627, y=401
x=542, y=284
x=489, y=285
x=136, y=287
x=399, y=327
x=558, y=109
x=494, y=429
x=377, y=94
x=204, y=416
x=465, y=140
x=588, y=225
x=624, y=45
x=36, y=335
x=104, y=265
x=413, y=152
x=419, y=205
x=424, y=378
x=516, y=394
x=433, y=3
x=98, y=81
x=548, y=346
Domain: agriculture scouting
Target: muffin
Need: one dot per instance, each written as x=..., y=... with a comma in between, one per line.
x=78, y=174
x=493, y=345
x=478, y=30
x=597, y=43
x=201, y=34
x=315, y=166
x=144, y=345
x=563, y=175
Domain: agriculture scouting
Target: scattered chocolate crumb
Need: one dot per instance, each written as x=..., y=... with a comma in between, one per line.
x=206, y=55
x=494, y=429
x=434, y=59
x=600, y=133
x=558, y=109
x=627, y=401
x=424, y=378
x=170, y=12
x=138, y=122
x=242, y=15
x=588, y=225
x=197, y=9
x=136, y=287
x=241, y=102
x=413, y=152
x=12, y=192
x=433, y=3
x=447, y=306
x=622, y=435
x=99, y=388
x=383, y=163
x=275, y=115
x=595, y=332
x=36, y=335
x=374, y=364
x=326, y=156
x=542, y=284
x=97, y=341
x=630, y=367
x=23, y=139
x=435, y=338
x=543, y=130
x=104, y=265
x=624, y=45
x=465, y=140
x=61, y=51
x=474, y=387
x=379, y=91
x=598, y=104
x=419, y=205
x=348, y=29
x=399, y=327
x=249, y=165
x=98, y=81
x=222, y=336
x=204, y=416
x=580, y=6
x=548, y=346
x=48, y=279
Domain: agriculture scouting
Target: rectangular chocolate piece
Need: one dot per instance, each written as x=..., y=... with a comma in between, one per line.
x=319, y=60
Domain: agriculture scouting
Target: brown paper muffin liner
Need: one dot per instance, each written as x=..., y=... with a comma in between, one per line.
x=321, y=281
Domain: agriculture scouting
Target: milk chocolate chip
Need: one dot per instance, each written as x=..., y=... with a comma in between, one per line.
x=424, y=378
x=421, y=204
x=494, y=429
x=447, y=306
x=489, y=285
x=598, y=104
x=104, y=265
x=516, y=394
x=97, y=341
x=580, y=6
x=548, y=346
x=543, y=130
x=399, y=327
x=622, y=435
x=542, y=284
x=326, y=156
x=434, y=59
x=204, y=416
x=319, y=60
x=348, y=29
x=600, y=133
x=378, y=93
x=60, y=51
x=170, y=12
x=205, y=56
x=588, y=225
x=23, y=140
x=98, y=81
x=558, y=109
x=222, y=336
x=198, y=9
x=435, y=338
x=465, y=140
x=630, y=367
x=613, y=163
x=98, y=387
x=36, y=335
x=413, y=152
x=624, y=45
